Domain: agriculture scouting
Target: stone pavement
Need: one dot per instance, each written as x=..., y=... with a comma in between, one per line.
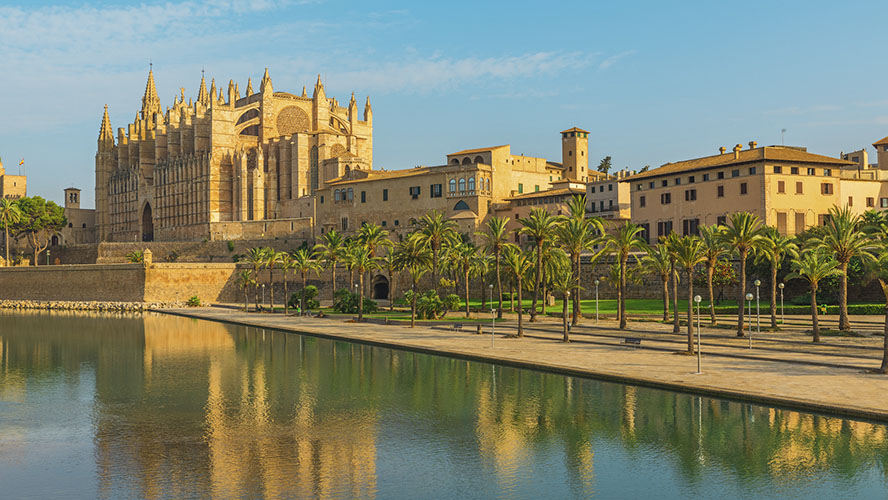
x=829, y=378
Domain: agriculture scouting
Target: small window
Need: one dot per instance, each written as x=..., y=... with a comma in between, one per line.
x=651, y=185
x=799, y=188
x=610, y=187
x=691, y=179
x=720, y=191
x=363, y=196
x=751, y=170
x=812, y=171
x=690, y=195
x=385, y=195
x=536, y=188
x=601, y=188
x=721, y=220
x=397, y=222
x=850, y=201
x=336, y=196
x=638, y=188
x=462, y=185
x=84, y=225
x=322, y=198
x=883, y=202
x=641, y=201
x=794, y=170
x=435, y=190
x=827, y=172
x=705, y=177
x=735, y=172
x=471, y=186
x=351, y=194
x=720, y=175
x=520, y=188
x=778, y=169
x=742, y=188
x=870, y=202
x=665, y=199
x=383, y=223
x=781, y=187
x=664, y=183
x=826, y=188
x=678, y=181
x=452, y=185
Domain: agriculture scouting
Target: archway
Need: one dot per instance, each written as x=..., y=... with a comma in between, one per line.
x=380, y=288
x=147, y=224
x=55, y=241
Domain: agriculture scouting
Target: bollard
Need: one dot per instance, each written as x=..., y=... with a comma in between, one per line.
x=479, y=329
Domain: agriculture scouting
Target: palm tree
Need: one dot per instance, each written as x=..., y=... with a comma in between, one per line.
x=271, y=258
x=304, y=261
x=562, y=279
x=463, y=255
x=774, y=248
x=814, y=265
x=690, y=251
x=374, y=237
x=245, y=279
x=714, y=247
x=9, y=214
x=436, y=231
x=577, y=234
x=519, y=263
x=625, y=240
x=881, y=267
x=332, y=250
x=363, y=261
x=842, y=237
x=414, y=256
x=658, y=261
x=286, y=262
x=743, y=234
x=496, y=236
x=390, y=265
x=256, y=257
x=539, y=225
x=670, y=242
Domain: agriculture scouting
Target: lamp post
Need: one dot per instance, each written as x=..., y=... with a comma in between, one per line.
x=596, y=299
x=758, y=316
x=263, y=295
x=490, y=289
x=782, y=318
x=47, y=256
x=492, y=324
x=698, y=299
x=749, y=302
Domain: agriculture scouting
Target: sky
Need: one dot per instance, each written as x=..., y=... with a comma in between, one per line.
x=653, y=82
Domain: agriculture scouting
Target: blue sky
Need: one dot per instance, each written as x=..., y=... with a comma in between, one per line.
x=652, y=81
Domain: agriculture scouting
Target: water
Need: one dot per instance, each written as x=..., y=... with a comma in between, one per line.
x=163, y=407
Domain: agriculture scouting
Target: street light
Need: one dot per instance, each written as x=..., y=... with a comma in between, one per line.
x=749, y=302
x=782, y=318
x=596, y=299
x=758, y=316
x=47, y=256
x=698, y=299
x=490, y=289
x=492, y=324
x=263, y=295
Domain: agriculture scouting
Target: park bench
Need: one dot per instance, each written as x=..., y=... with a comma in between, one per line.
x=457, y=327
x=631, y=342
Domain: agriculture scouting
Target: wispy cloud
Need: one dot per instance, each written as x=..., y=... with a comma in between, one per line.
x=610, y=61
x=803, y=110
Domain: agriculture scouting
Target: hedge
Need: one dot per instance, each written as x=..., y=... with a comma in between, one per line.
x=853, y=309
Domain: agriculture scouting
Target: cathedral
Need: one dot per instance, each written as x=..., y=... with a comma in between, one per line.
x=225, y=166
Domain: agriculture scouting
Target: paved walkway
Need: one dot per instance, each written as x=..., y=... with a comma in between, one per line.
x=784, y=371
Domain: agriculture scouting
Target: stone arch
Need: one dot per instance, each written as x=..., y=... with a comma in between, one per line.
x=462, y=184
x=55, y=240
x=467, y=161
x=292, y=120
x=381, y=288
x=147, y=223
x=471, y=186
x=454, y=161
x=460, y=206
x=247, y=116
x=452, y=185
x=479, y=159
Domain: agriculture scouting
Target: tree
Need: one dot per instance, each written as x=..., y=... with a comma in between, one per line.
x=689, y=252
x=245, y=280
x=577, y=234
x=257, y=257
x=563, y=282
x=414, y=256
x=773, y=249
x=713, y=247
x=304, y=261
x=670, y=242
x=363, y=261
x=390, y=265
x=10, y=214
x=843, y=238
x=374, y=237
x=331, y=249
x=624, y=241
x=813, y=265
x=605, y=165
x=519, y=264
x=463, y=255
x=39, y=221
x=881, y=271
x=272, y=258
x=496, y=236
x=539, y=225
x=742, y=234
x=436, y=231
x=135, y=257
x=286, y=262
x=658, y=261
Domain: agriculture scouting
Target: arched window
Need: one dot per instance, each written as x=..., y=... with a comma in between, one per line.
x=467, y=161
x=479, y=159
x=347, y=170
x=462, y=185
x=454, y=161
x=336, y=195
x=452, y=185
x=461, y=205
x=313, y=168
x=471, y=184
x=351, y=194
x=488, y=184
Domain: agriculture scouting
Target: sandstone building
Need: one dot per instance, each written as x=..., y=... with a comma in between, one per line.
x=81, y=228
x=225, y=166
x=12, y=186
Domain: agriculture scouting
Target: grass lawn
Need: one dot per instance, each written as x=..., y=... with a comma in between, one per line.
x=609, y=306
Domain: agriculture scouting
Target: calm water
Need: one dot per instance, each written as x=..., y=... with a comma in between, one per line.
x=165, y=407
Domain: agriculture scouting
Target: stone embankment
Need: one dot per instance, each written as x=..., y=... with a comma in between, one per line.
x=65, y=305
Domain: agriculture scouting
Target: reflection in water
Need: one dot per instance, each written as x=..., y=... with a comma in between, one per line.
x=165, y=407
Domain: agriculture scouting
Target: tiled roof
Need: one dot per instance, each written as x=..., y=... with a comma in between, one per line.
x=575, y=129
x=373, y=175
x=548, y=192
x=881, y=142
x=771, y=153
x=477, y=150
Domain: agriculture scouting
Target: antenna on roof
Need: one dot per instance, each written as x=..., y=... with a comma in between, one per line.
x=782, y=142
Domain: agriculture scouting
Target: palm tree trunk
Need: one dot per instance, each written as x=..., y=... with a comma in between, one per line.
x=246, y=299
x=6, y=241
x=466, y=280
x=741, y=297
x=676, y=323
x=710, y=270
x=884, y=367
x=257, y=294
x=814, y=313
x=576, y=292
x=499, y=286
x=413, y=306
x=844, y=324
x=435, y=268
x=545, y=293
x=665, y=279
x=286, y=293
x=271, y=287
x=391, y=294
x=690, y=312
x=304, y=284
x=624, y=259
x=536, y=285
x=361, y=296
x=520, y=311
x=774, y=295
x=511, y=295
x=333, y=283
x=566, y=337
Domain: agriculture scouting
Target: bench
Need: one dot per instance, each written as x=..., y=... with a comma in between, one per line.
x=456, y=327
x=631, y=342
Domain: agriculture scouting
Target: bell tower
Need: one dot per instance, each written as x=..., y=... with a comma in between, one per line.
x=575, y=154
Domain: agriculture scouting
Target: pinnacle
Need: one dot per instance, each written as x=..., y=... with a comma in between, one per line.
x=105, y=132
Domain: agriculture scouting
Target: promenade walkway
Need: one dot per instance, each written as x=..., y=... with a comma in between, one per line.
x=782, y=369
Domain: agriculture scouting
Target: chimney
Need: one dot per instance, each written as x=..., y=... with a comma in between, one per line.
x=752, y=144
x=722, y=150
x=737, y=149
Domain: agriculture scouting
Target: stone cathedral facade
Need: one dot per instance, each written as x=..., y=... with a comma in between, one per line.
x=225, y=166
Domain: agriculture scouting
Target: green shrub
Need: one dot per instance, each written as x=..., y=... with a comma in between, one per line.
x=172, y=256
x=134, y=257
x=346, y=302
x=194, y=301
x=230, y=246
x=430, y=306
x=311, y=298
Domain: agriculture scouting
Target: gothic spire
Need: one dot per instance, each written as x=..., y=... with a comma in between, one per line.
x=249, y=87
x=319, y=90
x=213, y=90
x=202, y=96
x=106, y=134
x=150, y=101
x=265, y=86
x=304, y=94
x=368, y=111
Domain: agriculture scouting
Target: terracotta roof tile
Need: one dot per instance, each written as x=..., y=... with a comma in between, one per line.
x=575, y=129
x=548, y=192
x=881, y=142
x=477, y=150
